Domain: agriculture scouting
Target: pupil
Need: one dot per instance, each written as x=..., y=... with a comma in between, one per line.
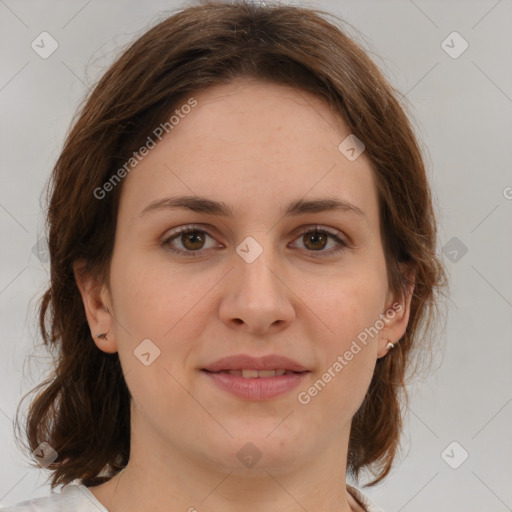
x=315, y=237
x=194, y=237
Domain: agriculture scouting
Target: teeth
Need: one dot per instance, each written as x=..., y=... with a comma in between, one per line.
x=248, y=374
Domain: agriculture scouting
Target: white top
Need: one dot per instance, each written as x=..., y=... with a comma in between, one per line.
x=75, y=497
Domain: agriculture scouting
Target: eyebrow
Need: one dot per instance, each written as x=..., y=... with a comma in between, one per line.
x=204, y=205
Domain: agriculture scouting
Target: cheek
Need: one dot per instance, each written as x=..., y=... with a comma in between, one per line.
x=153, y=301
x=346, y=365
x=152, y=296
x=350, y=303
x=351, y=308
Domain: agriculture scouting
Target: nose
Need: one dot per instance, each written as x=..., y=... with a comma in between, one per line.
x=256, y=298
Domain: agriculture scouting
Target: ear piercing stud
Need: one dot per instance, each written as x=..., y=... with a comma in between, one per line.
x=390, y=345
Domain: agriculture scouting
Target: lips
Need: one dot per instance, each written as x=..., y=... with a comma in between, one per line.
x=256, y=378
x=256, y=367
x=253, y=374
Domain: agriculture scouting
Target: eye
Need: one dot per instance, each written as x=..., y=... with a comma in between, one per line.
x=192, y=240
x=316, y=239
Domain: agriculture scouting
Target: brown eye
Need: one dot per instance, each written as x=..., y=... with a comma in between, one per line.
x=315, y=240
x=193, y=240
x=190, y=241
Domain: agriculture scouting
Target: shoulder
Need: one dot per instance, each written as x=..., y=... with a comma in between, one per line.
x=364, y=501
x=72, y=498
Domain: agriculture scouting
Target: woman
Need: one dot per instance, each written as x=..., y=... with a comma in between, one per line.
x=243, y=257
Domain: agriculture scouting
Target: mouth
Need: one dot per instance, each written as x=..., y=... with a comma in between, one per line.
x=255, y=374
x=252, y=378
x=245, y=363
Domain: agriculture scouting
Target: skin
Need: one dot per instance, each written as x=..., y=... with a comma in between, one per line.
x=256, y=146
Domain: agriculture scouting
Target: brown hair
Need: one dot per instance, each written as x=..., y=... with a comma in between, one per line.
x=83, y=409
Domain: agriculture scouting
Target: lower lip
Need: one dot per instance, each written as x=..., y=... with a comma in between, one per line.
x=256, y=388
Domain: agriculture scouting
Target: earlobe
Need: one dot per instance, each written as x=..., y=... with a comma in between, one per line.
x=385, y=346
x=98, y=315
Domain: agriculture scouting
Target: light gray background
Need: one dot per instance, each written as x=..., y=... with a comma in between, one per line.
x=462, y=109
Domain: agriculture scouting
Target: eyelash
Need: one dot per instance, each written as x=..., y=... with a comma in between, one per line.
x=307, y=229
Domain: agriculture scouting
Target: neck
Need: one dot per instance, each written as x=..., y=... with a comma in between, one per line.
x=177, y=489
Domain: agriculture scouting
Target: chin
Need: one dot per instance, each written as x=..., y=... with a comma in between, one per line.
x=256, y=454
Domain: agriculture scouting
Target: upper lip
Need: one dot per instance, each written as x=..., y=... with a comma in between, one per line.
x=246, y=362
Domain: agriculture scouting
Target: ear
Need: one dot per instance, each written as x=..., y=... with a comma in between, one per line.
x=97, y=305
x=397, y=311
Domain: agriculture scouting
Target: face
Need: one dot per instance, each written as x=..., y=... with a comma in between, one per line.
x=259, y=283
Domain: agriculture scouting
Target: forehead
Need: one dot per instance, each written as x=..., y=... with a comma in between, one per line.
x=252, y=145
